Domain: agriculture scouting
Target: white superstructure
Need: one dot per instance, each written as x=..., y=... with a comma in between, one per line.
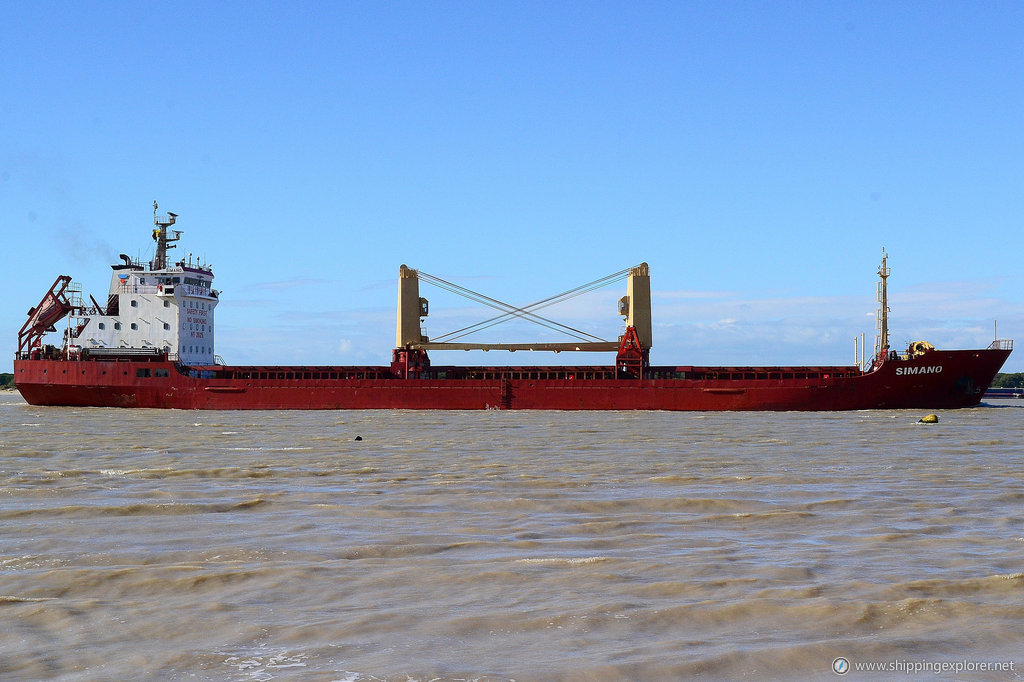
x=152, y=308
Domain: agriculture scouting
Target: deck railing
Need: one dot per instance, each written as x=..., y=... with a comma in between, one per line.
x=138, y=289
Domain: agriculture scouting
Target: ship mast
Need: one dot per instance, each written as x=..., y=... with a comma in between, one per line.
x=163, y=237
x=882, y=316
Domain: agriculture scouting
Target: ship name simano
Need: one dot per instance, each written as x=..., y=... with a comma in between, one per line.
x=933, y=369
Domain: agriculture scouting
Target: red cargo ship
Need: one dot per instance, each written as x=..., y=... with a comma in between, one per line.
x=152, y=345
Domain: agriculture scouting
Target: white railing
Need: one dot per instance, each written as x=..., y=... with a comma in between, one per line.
x=138, y=289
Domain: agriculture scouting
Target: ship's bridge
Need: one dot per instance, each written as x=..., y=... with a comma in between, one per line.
x=152, y=307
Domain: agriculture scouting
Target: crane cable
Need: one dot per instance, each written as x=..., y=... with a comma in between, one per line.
x=509, y=311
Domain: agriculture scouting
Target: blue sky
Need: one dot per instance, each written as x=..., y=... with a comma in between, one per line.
x=759, y=155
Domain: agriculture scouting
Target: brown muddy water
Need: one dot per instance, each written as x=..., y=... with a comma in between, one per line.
x=510, y=545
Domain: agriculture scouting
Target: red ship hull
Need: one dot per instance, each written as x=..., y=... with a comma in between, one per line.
x=937, y=380
x=149, y=344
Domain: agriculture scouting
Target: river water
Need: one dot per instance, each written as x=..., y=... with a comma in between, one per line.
x=509, y=545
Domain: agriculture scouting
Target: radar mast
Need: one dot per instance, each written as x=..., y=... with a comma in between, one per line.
x=163, y=237
x=882, y=316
